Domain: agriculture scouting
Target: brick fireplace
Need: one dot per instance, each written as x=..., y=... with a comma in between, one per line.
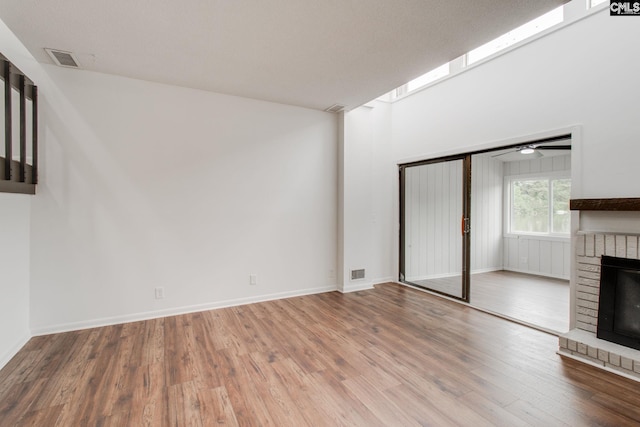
x=581, y=343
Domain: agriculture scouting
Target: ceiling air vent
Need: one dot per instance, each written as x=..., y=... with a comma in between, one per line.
x=335, y=108
x=62, y=58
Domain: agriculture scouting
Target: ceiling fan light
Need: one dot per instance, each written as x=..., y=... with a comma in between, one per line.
x=527, y=150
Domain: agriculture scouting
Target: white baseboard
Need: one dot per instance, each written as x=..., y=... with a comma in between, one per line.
x=362, y=285
x=486, y=270
x=358, y=286
x=382, y=280
x=432, y=276
x=445, y=275
x=536, y=273
x=8, y=355
x=108, y=321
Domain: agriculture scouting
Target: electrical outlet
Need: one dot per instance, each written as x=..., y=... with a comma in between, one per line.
x=253, y=279
x=159, y=293
x=524, y=260
x=332, y=274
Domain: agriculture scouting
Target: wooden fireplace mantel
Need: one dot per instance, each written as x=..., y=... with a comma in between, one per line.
x=618, y=204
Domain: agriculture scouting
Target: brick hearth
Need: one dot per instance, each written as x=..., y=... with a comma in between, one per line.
x=581, y=343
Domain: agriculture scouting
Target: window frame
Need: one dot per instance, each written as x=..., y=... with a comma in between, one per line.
x=593, y=3
x=516, y=36
x=508, y=197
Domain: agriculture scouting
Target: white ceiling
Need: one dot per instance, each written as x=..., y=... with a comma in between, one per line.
x=310, y=53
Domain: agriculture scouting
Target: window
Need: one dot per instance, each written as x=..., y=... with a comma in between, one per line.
x=525, y=31
x=429, y=77
x=539, y=205
x=423, y=80
x=517, y=35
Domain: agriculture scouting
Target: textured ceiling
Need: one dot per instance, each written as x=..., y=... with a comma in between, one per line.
x=310, y=53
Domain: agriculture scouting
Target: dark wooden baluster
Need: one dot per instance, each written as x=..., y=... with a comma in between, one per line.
x=34, y=138
x=8, y=148
x=23, y=130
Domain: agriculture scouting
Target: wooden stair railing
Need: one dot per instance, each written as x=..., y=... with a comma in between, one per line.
x=18, y=175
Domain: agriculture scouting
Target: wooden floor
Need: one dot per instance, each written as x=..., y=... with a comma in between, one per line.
x=384, y=357
x=541, y=301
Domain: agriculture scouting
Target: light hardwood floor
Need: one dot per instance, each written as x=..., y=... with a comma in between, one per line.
x=541, y=301
x=383, y=357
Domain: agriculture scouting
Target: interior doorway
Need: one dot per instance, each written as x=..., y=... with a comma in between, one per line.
x=492, y=229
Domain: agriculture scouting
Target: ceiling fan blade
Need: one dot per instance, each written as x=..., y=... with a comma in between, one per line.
x=554, y=147
x=503, y=154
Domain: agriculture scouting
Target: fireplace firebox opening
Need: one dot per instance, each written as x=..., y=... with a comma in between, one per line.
x=619, y=301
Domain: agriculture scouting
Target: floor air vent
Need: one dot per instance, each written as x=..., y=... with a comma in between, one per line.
x=357, y=274
x=62, y=58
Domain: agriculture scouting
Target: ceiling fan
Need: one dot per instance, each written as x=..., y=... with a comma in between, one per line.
x=533, y=149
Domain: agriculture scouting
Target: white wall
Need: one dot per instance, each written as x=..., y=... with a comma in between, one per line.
x=486, y=214
x=14, y=267
x=545, y=256
x=572, y=78
x=145, y=185
x=15, y=237
x=368, y=182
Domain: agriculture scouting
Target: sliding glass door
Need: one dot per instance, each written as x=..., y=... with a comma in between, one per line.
x=435, y=232
x=521, y=234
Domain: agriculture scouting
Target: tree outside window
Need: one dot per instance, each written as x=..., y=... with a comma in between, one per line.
x=561, y=216
x=540, y=206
